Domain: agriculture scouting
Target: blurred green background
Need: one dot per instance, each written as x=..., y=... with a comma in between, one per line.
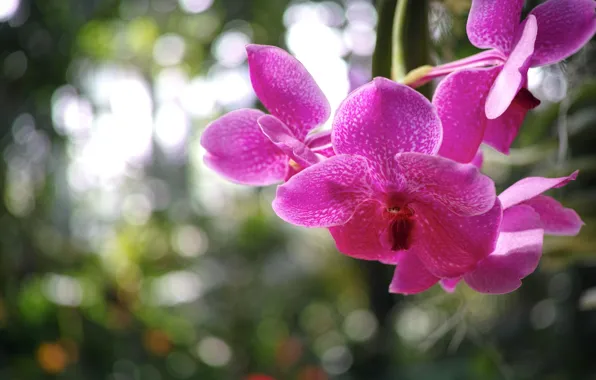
x=123, y=258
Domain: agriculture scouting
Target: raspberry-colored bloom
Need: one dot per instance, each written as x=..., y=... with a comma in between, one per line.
x=527, y=216
x=249, y=147
x=386, y=195
x=489, y=104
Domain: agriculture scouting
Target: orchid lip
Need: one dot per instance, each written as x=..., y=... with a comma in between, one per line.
x=400, y=228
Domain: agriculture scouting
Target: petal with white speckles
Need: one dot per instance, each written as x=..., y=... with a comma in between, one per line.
x=493, y=23
x=287, y=89
x=460, y=188
x=238, y=150
x=517, y=254
x=450, y=245
x=383, y=118
x=325, y=194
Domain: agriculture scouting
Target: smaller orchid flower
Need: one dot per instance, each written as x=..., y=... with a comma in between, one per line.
x=386, y=194
x=527, y=216
x=249, y=147
x=477, y=103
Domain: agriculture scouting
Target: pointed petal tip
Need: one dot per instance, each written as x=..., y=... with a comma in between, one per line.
x=255, y=48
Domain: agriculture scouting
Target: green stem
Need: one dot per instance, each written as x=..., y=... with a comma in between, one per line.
x=398, y=62
x=381, y=65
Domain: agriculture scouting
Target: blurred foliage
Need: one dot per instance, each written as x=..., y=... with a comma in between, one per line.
x=164, y=271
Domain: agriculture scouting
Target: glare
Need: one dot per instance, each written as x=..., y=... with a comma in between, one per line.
x=189, y=241
x=195, y=6
x=176, y=288
x=229, y=48
x=169, y=50
x=136, y=209
x=337, y=360
x=360, y=38
x=308, y=38
x=8, y=8
x=360, y=325
x=214, y=351
x=362, y=11
x=63, y=290
x=414, y=324
x=232, y=87
x=72, y=115
x=198, y=97
x=171, y=127
x=170, y=83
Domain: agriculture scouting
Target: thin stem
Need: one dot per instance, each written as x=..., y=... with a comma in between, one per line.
x=398, y=63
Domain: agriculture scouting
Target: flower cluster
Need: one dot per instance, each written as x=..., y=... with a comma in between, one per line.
x=396, y=179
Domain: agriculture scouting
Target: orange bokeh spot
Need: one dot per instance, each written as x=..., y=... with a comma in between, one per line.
x=258, y=376
x=157, y=342
x=52, y=358
x=289, y=351
x=312, y=373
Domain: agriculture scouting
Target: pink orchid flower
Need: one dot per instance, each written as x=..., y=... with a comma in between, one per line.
x=527, y=216
x=249, y=147
x=489, y=104
x=386, y=195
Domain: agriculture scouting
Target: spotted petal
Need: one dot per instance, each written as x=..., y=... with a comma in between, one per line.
x=411, y=276
x=383, y=118
x=493, y=23
x=564, y=26
x=238, y=150
x=460, y=99
x=517, y=254
x=513, y=75
x=286, y=88
x=530, y=187
x=326, y=194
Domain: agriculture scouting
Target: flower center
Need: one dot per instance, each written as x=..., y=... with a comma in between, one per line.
x=400, y=227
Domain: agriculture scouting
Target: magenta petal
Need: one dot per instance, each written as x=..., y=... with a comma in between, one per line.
x=450, y=245
x=478, y=159
x=326, y=194
x=287, y=90
x=383, y=118
x=513, y=75
x=449, y=284
x=361, y=236
x=282, y=137
x=556, y=219
x=460, y=99
x=564, y=26
x=411, y=276
x=238, y=150
x=493, y=23
x=502, y=131
x=517, y=254
x=530, y=187
x=461, y=188
x=318, y=139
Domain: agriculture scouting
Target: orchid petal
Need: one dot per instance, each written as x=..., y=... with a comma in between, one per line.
x=556, y=219
x=318, y=139
x=286, y=88
x=460, y=99
x=513, y=76
x=564, y=27
x=502, y=131
x=478, y=159
x=238, y=150
x=450, y=245
x=517, y=254
x=492, y=23
x=383, y=118
x=411, y=276
x=449, y=284
x=460, y=188
x=361, y=236
x=326, y=194
x=530, y=187
x=282, y=137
